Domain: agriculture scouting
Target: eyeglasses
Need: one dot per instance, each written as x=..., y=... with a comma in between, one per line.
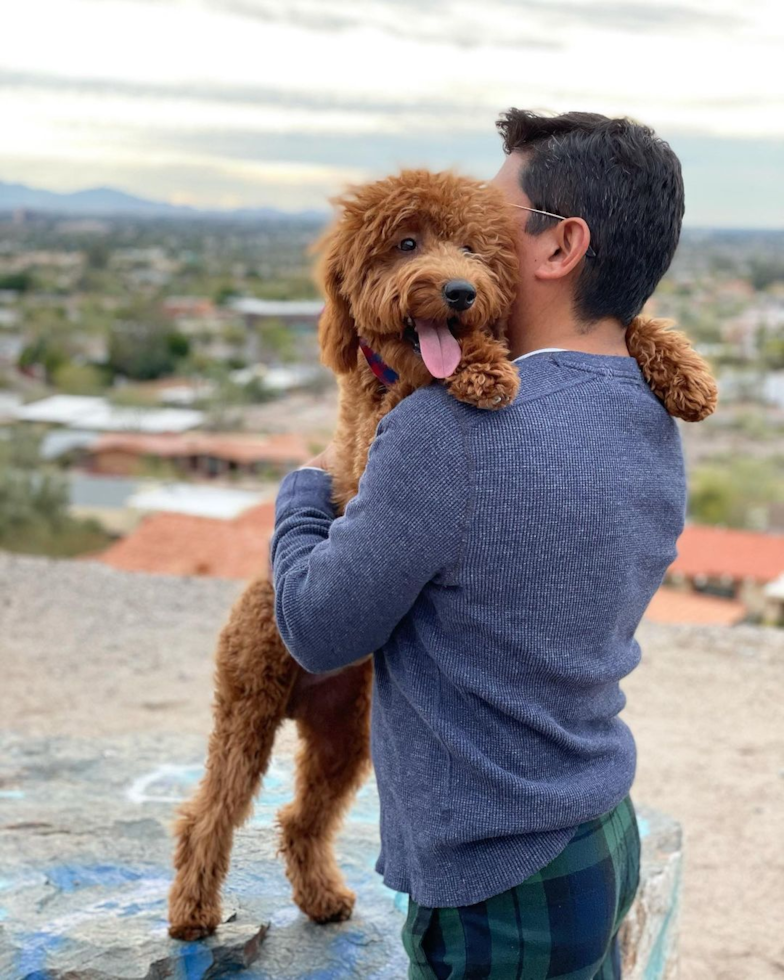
x=589, y=252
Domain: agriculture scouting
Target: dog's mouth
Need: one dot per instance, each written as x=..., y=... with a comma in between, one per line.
x=435, y=342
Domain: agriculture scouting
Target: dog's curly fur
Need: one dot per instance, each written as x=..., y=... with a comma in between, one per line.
x=371, y=289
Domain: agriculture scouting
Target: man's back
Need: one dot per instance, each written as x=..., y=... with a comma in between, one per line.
x=495, y=729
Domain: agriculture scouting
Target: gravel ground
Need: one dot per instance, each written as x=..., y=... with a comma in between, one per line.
x=86, y=650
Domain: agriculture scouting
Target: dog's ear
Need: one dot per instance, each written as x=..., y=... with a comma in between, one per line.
x=677, y=374
x=337, y=332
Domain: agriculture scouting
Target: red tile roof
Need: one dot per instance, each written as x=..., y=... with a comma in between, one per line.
x=277, y=448
x=177, y=544
x=716, y=551
x=188, y=306
x=693, y=608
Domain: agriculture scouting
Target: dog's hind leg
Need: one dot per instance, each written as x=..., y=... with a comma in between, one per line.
x=254, y=678
x=333, y=718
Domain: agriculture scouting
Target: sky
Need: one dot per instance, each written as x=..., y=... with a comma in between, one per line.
x=235, y=103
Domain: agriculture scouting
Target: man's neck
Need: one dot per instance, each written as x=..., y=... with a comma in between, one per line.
x=526, y=334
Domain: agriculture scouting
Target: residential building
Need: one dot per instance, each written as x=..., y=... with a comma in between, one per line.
x=179, y=544
x=83, y=412
x=728, y=564
x=200, y=455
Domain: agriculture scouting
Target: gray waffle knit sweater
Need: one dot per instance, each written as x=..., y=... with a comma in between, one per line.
x=498, y=563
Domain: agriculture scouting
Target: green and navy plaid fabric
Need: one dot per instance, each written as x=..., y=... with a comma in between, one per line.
x=559, y=924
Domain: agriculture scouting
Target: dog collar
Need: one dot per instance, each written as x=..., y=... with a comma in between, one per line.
x=378, y=366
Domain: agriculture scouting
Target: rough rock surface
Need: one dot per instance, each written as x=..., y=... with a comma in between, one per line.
x=85, y=852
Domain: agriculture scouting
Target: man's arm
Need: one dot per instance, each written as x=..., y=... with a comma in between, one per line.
x=342, y=585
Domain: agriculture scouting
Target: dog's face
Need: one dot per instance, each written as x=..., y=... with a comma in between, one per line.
x=413, y=264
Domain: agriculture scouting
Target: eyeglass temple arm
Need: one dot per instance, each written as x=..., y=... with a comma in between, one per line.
x=550, y=214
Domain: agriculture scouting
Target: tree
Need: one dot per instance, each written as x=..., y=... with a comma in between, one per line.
x=737, y=495
x=79, y=379
x=145, y=349
x=764, y=272
x=29, y=494
x=97, y=253
x=277, y=341
x=34, y=502
x=224, y=293
x=46, y=352
x=19, y=281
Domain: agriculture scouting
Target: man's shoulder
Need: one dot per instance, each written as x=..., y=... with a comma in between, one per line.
x=423, y=407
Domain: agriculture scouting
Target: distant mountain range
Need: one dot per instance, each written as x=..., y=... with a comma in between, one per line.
x=110, y=202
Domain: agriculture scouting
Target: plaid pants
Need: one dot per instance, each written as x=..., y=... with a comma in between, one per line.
x=559, y=924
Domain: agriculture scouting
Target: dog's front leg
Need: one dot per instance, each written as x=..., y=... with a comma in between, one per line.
x=485, y=377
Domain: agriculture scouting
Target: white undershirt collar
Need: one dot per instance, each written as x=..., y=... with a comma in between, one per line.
x=542, y=350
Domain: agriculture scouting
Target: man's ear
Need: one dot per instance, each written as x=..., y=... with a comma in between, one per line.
x=568, y=241
x=337, y=331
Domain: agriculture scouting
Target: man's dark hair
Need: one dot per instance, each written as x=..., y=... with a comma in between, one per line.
x=623, y=180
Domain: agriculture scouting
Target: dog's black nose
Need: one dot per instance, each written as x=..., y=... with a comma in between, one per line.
x=459, y=294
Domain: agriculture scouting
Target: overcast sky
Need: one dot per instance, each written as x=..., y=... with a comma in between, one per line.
x=281, y=102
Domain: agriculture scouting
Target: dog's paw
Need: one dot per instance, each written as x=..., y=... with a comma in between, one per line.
x=189, y=932
x=196, y=924
x=487, y=386
x=328, y=905
x=192, y=915
x=675, y=372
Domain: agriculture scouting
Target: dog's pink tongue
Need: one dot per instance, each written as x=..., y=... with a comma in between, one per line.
x=440, y=351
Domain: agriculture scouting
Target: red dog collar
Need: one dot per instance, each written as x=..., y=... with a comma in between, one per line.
x=378, y=366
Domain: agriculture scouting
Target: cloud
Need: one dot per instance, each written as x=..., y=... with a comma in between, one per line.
x=199, y=91
x=451, y=22
x=505, y=23
x=516, y=24
x=229, y=93
x=433, y=112
x=478, y=151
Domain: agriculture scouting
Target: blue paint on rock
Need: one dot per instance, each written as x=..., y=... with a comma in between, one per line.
x=660, y=954
x=68, y=878
x=133, y=908
x=32, y=963
x=195, y=960
x=116, y=897
x=11, y=794
x=277, y=790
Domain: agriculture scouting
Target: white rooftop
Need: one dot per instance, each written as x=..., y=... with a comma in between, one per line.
x=283, y=378
x=198, y=501
x=9, y=404
x=56, y=442
x=275, y=307
x=276, y=378
x=98, y=414
x=775, y=589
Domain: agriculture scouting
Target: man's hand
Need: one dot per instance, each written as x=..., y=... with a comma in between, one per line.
x=325, y=460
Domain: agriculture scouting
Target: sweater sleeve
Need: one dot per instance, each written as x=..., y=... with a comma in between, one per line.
x=343, y=584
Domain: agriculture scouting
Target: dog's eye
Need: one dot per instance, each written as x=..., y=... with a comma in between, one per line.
x=407, y=245
x=467, y=248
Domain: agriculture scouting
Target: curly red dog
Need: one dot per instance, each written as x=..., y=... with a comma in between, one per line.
x=418, y=273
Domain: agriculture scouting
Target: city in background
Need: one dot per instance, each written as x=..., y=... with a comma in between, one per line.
x=158, y=359
x=159, y=374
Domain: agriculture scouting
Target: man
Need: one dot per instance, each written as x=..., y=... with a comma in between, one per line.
x=499, y=564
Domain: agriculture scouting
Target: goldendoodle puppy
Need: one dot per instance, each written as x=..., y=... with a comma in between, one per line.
x=419, y=274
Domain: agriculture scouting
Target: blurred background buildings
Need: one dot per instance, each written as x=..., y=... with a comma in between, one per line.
x=158, y=359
